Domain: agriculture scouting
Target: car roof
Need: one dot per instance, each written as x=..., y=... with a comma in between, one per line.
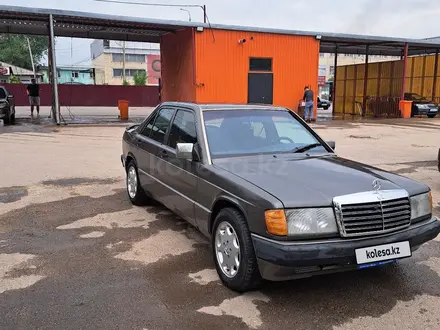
x=225, y=106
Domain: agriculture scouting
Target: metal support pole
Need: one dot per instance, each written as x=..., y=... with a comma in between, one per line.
x=434, y=82
x=335, y=70
x=123, y=63
x=364, y=100
x=204, y=13
x=56, y=104
x=405, y=64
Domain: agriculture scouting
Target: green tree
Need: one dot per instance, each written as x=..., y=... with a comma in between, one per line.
x=14, y=80
x=140, y=78
x=14, y=49
x=125, y=83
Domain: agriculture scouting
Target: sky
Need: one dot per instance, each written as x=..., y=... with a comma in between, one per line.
x=395, y=18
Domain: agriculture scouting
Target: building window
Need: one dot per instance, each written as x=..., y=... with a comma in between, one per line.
x=91, y=74
x=321, y=54
x=117, y=72
x=128, y=72
x=332, y=70
x=58, y=74
x=260, y=64
x=130, y=58
x=75, y=74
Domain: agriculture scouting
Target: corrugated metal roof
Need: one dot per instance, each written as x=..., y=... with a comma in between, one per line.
x=100, y=26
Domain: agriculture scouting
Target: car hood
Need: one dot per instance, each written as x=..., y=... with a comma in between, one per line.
x=426, y=102
x=313, y=181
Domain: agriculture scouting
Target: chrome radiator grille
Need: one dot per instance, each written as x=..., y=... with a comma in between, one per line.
x=380, y=213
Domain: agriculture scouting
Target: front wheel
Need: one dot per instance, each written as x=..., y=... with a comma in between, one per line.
x=135, y=192
x=7, y=120
x=234, y=254
x=432, y=115
x=12, y=119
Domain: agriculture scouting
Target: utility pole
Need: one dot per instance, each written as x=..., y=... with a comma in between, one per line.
x=32, y=58
x=123, y=62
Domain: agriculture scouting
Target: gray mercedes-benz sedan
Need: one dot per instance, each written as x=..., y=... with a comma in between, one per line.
x=275, y=200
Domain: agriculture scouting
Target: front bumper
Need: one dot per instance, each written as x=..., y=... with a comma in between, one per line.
x=279, y=261
x=426, y=111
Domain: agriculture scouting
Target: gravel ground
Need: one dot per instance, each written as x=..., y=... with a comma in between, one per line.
x=75, y=254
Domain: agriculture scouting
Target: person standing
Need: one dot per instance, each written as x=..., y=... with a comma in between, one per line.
x=308, y=107
x=33, y=91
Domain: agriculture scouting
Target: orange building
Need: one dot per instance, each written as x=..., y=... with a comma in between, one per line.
x=229, y=66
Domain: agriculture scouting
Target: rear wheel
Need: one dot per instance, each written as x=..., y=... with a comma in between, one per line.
x=432, y=115
x=234, y=254
x=7, y=120
x=134, y=190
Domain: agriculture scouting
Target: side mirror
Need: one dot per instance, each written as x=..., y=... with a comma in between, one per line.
x=332, y=144
x=10, y=97
x=184, y=151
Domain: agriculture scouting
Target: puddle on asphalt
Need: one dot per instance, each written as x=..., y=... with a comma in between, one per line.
x=68, y=182
x=12, y=194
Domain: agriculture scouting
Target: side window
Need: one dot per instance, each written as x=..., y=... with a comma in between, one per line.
x=183, y=129
x=161, y=124
x=147, y=128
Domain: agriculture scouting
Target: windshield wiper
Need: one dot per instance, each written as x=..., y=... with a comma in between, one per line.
x=306, y=147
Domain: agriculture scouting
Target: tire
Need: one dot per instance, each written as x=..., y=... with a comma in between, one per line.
x=246, y=276
x=12, y=119
x=135, y=192
x=7, y=120
x=432, y=115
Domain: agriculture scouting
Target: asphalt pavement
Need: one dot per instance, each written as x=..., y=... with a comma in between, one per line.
x=75, y=254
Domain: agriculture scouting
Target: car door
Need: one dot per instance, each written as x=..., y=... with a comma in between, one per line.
x=179, y=175
x=149, y=138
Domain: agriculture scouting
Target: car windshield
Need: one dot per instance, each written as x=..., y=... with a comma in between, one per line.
x=417, y=97
x=247, y=132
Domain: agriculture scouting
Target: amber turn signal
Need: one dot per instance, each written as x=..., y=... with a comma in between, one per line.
x=276, y=222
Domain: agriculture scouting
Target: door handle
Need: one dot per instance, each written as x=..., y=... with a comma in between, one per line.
x=164, y=154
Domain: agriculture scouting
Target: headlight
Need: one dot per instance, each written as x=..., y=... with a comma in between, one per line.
x=3, y=104
x=422, y=106
x=311, y=222
x=421, y=205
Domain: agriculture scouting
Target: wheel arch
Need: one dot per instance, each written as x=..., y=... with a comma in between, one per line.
x=221, y=203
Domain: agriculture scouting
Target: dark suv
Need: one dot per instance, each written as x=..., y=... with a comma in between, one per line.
x=7, y=106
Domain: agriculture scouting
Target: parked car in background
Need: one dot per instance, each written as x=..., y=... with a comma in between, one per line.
x=275, y=200
x=323, y=103
x=7, y=106
x=421, y=106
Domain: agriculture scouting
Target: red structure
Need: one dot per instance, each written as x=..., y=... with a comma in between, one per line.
x=90, y=95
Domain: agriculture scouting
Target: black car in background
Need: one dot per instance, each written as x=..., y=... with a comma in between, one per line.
x=7, y=107
x=323, y=104
x=421, y=106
